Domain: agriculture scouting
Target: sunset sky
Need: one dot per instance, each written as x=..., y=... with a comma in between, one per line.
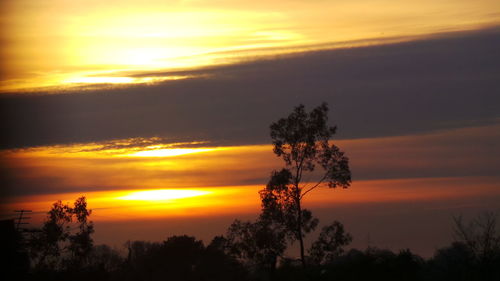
x=158, y=111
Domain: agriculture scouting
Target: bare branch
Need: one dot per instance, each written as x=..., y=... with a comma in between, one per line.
x=314, y=186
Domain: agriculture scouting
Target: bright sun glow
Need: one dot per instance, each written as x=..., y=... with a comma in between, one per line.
x=119, y=80
x=169, y=152
x=100, y=80
x=99, y=42
x=163, y=194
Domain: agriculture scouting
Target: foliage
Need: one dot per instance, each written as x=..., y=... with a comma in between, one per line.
x=54, y=245
x=302, y=140
x=105, y=258
x=250, y=251
x=258, y=244
x=180, y=258
x=330, y=243
x=280, y=204
x=81, y=242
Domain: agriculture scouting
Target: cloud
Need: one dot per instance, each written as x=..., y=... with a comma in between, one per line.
x=376, y=91
x=469, y=152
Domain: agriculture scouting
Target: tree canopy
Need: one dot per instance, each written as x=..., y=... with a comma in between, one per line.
x=303, y=141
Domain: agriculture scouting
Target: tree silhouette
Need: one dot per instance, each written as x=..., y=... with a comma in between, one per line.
x=256, y=244
x=480, y=237
x=81, y=242
x=55, y=245
x=330, y=243
x=303, y=141
x=181, y=258
x=46, y=246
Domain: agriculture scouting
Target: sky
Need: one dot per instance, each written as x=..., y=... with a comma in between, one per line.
x=159, y=111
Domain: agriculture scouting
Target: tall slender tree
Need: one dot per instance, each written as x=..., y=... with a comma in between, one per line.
x=81, y=242
x=303, y=141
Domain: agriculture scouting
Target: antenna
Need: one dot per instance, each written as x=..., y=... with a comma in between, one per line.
x=21, y=218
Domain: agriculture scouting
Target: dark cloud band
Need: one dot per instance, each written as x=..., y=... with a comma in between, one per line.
x=396, y=89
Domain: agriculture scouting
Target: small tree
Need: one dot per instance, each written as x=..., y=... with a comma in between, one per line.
x=481, y=235
x=303, y=140
x=257, y=244
x=46, y=245
x=55, y=245
x=81, y=242
x=330, y=243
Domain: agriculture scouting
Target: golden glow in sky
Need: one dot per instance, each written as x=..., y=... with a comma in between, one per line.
x=162, y=194
x=196, y=179
x=75, y=43
x=169, y=152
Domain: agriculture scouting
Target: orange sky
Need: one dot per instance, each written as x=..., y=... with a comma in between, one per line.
x=230, y=177
x=235, y=201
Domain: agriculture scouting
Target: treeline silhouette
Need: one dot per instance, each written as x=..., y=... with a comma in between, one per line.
x=243, y=253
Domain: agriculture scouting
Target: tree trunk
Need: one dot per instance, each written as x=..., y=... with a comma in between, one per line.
x=299, y=231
